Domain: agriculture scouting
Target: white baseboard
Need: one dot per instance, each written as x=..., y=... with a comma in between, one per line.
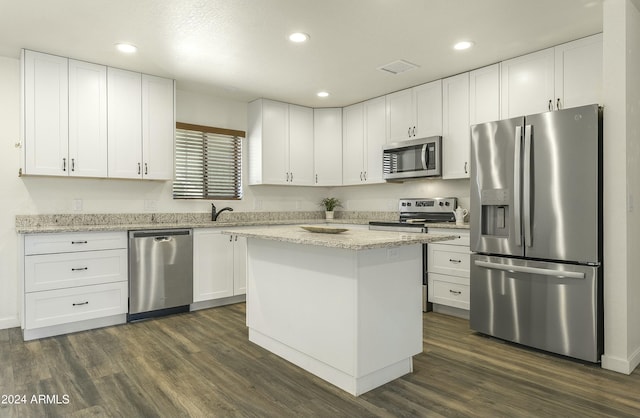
x=622, y=365
x=196, y=306
x=10, y=322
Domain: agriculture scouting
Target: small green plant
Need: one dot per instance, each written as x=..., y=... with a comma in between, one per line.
x=330, y=203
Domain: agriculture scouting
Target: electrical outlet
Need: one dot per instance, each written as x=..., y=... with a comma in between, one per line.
x=257, y=204
x=392, y=253
x=77, y=204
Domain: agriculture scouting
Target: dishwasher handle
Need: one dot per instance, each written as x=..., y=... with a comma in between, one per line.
x=165, y=233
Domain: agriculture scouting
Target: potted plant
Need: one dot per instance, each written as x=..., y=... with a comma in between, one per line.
x=329, y=204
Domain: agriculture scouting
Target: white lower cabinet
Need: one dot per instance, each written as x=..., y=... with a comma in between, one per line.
x=73, y=282
x=448, y=269
x=219, y=265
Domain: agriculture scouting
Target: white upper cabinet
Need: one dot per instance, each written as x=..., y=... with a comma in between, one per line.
x=353, y=144
x=87, y=119
x=327, y=146
x=527, y=84
x=375, y=129
x=567, y=75
x=484, y=94
x=415, y=112
x=158, y=127
x=364, y=132
x=455, y=127
x=301, y=171
x=578, y=67
x=124, y=99
x=141, y=124
x=280, y=142
x=46, y=117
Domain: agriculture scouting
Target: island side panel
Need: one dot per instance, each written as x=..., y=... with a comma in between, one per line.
x=304, y=297
x=389, y=307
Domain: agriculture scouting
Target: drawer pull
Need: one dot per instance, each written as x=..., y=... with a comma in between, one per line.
x=455, y=261
x=81, y=303
x=79, y=242
x=80, y=269
x=455, y=292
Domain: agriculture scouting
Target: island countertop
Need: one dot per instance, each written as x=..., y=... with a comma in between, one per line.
x=351, y=239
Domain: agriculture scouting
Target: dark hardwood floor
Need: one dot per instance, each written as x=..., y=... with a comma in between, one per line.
x=201, y=364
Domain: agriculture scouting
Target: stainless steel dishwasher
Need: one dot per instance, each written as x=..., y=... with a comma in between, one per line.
x=160, y=272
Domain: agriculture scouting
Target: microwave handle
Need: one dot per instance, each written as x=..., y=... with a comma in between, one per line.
x=425, y=161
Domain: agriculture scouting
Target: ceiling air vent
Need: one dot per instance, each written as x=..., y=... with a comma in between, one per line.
x=397, y=67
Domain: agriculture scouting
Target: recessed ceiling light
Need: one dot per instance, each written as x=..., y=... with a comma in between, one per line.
x=463, y=45
x=323, y=94
x=126, y=48
x=298, y=37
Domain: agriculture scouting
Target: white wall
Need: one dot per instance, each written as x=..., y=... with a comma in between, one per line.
x=46, y=195
x=621, y=27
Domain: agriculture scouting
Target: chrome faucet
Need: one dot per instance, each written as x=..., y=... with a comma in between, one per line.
x=214, y=214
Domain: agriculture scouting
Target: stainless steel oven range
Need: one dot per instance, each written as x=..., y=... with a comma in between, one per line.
x=415, y=216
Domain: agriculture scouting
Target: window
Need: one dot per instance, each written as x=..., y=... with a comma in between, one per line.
x=208, y=163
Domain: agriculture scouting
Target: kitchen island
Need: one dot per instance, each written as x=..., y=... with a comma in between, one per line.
x=343, y=306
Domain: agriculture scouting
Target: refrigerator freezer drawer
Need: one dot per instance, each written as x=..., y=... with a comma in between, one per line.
x=550, y=306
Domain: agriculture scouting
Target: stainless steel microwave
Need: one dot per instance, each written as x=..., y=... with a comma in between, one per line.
x=414, y=158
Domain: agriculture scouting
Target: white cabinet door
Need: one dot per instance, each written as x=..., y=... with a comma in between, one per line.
x=428, y=108
x=274, y=140
x=239, y=265
x=484, y=94
x=527, y=84
x=46, y=117
x=327, y=146
x=353, y=144
x=578, y=77
x=456, y=133
x=124, y=104
x=375, y=138
x=213, y=263
x=300, y=146
x=87, y=119
x=400, y=116
x=158, y=127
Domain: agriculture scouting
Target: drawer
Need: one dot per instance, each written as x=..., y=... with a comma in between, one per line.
x=62, y=306
x=74, y=241
x=448, y=259
x=462, y=235
x=444, y=291
x=56, y=271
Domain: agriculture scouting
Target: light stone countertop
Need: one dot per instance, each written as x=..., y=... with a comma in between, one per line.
x=38, y=224
x=352, y=239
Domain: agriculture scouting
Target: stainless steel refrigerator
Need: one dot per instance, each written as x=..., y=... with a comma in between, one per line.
x=536, y=231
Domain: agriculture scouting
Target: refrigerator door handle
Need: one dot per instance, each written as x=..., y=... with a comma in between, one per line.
x=526, y=169
x=516, y=186
x=532, y=270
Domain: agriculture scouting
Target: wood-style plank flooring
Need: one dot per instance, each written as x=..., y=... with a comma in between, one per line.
x=201, y=364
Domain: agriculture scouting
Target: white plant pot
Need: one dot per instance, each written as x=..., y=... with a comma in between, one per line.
x=328, y=214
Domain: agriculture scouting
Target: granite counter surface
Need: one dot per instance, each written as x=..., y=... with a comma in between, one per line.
x=351, y=239
x=38, y=224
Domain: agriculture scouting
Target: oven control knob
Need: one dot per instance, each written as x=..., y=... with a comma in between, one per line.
x=440, y=203
x=446, y=203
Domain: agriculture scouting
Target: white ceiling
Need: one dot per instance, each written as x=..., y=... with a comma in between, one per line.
x=239, y=48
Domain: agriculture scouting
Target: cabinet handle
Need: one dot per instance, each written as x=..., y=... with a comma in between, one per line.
x=465, y=168
x=558, y=104
x=146, y=169
x=64, y=164
x=409, y=132
x=316, y=179
x=414, y=131
x=81, y=303
x=454, y=261
x=550, y=105
x=365, y=176
x=287, y=176
x=455, y=292
x=73, y=164
x=236, y=238
x=361, y=176
x=230, y=238
x=292, y=177
x=80, y=269
x=79, y=242
x=139, y=169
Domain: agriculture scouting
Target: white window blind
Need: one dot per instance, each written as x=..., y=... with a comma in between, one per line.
x=208, y=163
